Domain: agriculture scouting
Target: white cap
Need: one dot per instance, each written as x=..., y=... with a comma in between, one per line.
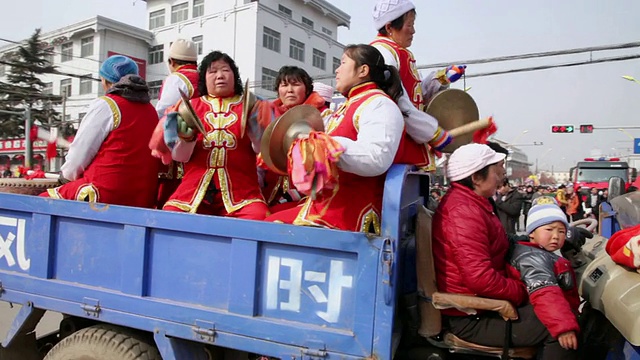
x=386, y=11
x=468, y=159
x=324, y=90
x=184, y=50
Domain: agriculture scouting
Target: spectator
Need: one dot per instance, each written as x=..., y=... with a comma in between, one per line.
x=509, y=204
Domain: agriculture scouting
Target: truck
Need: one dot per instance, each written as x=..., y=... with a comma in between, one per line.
x=596, y=172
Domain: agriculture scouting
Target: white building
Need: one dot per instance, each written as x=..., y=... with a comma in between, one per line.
x=261, y=36
x=78, y=50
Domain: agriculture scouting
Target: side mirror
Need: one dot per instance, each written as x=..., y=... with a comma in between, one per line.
x=634, y=174
x=616, y=187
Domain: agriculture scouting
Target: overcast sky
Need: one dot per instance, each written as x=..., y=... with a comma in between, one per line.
x=466, y=30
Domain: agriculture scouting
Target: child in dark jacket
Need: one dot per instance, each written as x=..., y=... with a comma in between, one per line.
x=549, y=278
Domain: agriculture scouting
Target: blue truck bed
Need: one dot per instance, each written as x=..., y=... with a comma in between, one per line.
x=266, y=288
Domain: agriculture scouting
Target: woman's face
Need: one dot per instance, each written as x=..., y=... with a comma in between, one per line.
x=292, y=92
x=487, y=187
x=220, y=79
x=347, y=75
x=404, y=35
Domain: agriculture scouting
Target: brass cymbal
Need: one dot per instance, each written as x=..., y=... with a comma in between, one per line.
x=280, y=134
x=454, y=108
x=188, y=114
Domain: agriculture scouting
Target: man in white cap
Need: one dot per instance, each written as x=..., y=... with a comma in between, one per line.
x=183, y=60
x=394, y=21
x=326, y=92
x=183, y=57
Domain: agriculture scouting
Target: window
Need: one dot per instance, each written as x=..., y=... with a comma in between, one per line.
x=49, y=55
x=65, y=87
x=179, y=13
x=271, y=39
x=327, y=31
x=307, y=22
x=81, y=116
x=47, y=88
x=268, y=78
x=86, y=85
x=156, y=54
x=319, y=59
x=66, y=51
x=285, y=11
x=198, y=8
x=336, y=64
x=296, y=50
x=197, y=40
x=154, y=88
x=67, y=118
x=156, y=19
x=3, y=69
x=86, y=46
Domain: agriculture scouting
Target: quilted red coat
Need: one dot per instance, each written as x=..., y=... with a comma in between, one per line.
x=470, y=248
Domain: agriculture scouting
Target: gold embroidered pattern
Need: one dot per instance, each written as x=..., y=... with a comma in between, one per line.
x=53, y=193
x=388, y=47
x=115, y=110
x=370, y=218
x=274, y=192
x=227, y=198
x=88, y=193
x=192, y=207
x=356, y=115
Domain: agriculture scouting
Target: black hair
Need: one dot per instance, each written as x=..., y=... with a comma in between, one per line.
x=497, y=148
x=505, y=182
x=482, y=174
x=183, y=62
x=385, y=76
x=206, y=63
x=294, y=73
x=397, y=23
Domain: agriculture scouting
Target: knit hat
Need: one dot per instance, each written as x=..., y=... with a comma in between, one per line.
x=468, y=159
x=324, y=90
x=386, y=11
x=545, y=211
x=184, y=50
x=116, y=67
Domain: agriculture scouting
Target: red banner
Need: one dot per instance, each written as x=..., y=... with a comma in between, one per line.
x=18, y=145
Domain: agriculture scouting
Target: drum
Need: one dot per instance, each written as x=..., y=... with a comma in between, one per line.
x=27, y=187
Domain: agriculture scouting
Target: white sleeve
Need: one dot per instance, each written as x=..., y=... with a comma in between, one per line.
x=419, y=125
x=94, y=128
x=431, y=86
x=170, y=94
x=380, y=130
x=183, y=150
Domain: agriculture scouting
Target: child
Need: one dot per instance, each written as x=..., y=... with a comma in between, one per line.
x=549, y=278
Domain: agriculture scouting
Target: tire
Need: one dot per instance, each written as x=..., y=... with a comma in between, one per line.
x=102, y=342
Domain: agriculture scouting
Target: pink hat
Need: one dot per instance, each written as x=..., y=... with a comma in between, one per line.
x=468, y=159
x=324, y=90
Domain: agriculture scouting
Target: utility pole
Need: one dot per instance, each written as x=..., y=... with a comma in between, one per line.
x=28, y=149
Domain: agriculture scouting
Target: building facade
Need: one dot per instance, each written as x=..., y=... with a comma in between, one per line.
x=261, y=36
x=77, y=51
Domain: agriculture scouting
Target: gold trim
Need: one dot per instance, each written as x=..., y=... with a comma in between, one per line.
x=221, y=105
x=89, y=191
x=383, y=42
x=272, y=196
x=115, y=111
x=360, y=109
x=369, y=218
x=53, y=193
x=227, y=196
x=187, y=82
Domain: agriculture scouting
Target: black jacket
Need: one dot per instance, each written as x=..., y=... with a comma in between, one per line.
x=509, y=208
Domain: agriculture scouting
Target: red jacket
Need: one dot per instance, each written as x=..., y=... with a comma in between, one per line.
x=470, y=247
x=551, y=284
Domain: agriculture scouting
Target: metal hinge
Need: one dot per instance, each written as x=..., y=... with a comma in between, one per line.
x=316, y=352
x=91, y=306
x=205, y=330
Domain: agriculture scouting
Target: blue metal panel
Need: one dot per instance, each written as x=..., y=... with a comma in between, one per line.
x=242, y=281
x=41, y=236
x=190, y=268
x=133, y=249
x=14, y=232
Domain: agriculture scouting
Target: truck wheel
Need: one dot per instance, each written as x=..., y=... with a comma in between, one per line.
x=102, y=342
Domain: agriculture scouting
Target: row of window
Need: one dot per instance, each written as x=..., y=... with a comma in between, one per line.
x=179, y=12
x=156, y=53
x=66, y=50
x=86, y=86
x=305, y=21
x=271, y=40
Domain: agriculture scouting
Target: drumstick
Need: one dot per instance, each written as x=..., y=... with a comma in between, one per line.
x=470, y=127
x=46, y=136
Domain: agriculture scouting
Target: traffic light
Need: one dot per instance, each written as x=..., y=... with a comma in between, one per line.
x=586, y=129
x=561, y=129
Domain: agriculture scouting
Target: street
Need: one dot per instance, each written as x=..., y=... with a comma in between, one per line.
x=49, y=322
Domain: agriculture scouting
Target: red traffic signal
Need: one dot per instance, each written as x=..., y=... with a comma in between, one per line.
x=558, y=129
x=586, y=129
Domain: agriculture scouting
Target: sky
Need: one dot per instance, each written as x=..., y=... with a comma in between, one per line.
x=524, y=105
